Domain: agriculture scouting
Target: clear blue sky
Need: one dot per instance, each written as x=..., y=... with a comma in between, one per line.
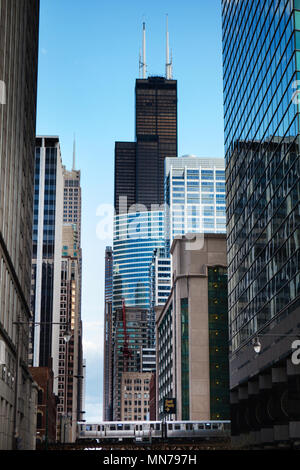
x=88, y=63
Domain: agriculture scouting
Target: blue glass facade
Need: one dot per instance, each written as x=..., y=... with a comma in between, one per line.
x=261, y=144
x=136, y=235
x=261, y=118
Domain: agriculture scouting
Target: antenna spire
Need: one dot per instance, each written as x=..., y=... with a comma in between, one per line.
x=168, y=61
x=142, y=63
x=74, y=153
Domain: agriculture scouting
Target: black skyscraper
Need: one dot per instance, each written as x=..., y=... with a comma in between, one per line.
x=139, y=165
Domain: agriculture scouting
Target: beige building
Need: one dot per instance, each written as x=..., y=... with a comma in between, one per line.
x=192, y=330
x=135, y=396
x=69, y=370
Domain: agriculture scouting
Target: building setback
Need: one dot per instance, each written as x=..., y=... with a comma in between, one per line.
x=19, y=32
x=261, y=63
x=192, y=331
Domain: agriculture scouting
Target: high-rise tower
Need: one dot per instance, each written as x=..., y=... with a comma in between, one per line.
x=139, y=165
x=47, y=253
x=261, y=63
x=139, y=198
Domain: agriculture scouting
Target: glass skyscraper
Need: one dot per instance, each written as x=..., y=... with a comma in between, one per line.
x=136, y=235
x=261, y=64
x=46, y=253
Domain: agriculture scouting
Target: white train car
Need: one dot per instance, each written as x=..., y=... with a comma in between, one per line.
x=115, y=431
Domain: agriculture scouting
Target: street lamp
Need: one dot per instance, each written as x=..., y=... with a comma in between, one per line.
x=257, y=344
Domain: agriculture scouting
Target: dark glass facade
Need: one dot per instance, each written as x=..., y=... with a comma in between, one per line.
x=125, y=170
x=49, y=187
x=261, y=117
x=44, y=247
x=139, y=165
x=156, y=136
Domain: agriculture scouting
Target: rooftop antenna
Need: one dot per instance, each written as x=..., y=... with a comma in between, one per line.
x=142, y=64
x=168, y=61
x=74, y=153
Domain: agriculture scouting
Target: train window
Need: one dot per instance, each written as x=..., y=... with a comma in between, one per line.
x=189, y=427
x=157, y=427
x=200, y=426
x=215, y=426
x=207, y=426
x=112, y=427
x=170, y=427
x=177, y=427
x=99, y=428
x=120, y=426
x=151, y=426
x=88, y=427
x=127, y=427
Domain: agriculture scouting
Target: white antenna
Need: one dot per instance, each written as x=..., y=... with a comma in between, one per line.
x=142, y=64
x=74, y=153
x=168, y=61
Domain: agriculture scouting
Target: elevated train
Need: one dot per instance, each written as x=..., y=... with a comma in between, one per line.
x=136, y=431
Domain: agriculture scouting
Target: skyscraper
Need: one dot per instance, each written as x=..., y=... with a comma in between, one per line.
x=72, y=216
x=19, y=30
x=261, y=64
x=139, y=191
x=47, y=253
x=156, y=136
x=139, y=165
x=69, y=366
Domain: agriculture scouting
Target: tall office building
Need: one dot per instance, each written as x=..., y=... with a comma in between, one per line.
x=19, y=30
x=136, y=235
x=72, y=215
x=156, y=136
x=139, y=191
x=126, y=357
x=47, y=253
x=108, y=340
x=195, y=196
x=192, y=332
x=69, y=367
x=139, y=165
x=261, y=63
